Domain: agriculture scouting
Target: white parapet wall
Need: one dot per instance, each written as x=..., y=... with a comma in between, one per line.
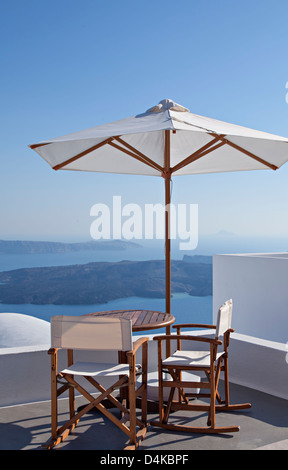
x=24, y=375
x=254, y=363
x=26, y=372
x=259, y=364
x=258, y=285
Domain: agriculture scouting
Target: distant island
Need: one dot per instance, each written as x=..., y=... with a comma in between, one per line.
x=198, y=259
x=101, y=282
x=40, y=247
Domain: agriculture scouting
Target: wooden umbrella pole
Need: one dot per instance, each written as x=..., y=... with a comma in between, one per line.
x=167, y=176
x=167, y=245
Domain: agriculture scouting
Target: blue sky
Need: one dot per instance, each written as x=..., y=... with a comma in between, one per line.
x=70, y=65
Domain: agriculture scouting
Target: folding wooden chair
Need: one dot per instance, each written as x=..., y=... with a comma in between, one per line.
x=98, y=334
x=211, y=362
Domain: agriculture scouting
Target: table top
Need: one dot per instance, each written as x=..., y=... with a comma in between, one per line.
x=141, y=319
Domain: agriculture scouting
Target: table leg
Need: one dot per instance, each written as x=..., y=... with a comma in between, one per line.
x=168, y=342
x=122, y=358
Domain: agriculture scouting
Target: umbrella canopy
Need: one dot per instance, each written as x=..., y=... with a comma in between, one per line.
x=165, y=140
x=136, y=145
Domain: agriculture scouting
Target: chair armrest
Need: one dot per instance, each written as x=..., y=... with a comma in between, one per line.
x=194, y=325
x=136, y=345
x=52, y=351
x=187, y=337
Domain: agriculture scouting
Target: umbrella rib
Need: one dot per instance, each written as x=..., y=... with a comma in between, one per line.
x=82, y=154
x=142, y=159
x=251, y=155
x=140, y=154
x=200, y=153
x=210, y=147
x=35, y=146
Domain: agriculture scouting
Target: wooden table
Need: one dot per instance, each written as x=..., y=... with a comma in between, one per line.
x=142, y=319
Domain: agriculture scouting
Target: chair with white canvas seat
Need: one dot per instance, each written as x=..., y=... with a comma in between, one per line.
x=210, y=362
x=98, y=334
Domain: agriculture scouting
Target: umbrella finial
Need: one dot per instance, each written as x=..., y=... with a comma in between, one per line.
x=166, y=104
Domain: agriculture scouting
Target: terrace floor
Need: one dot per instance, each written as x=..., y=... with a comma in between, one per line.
x=27, y=427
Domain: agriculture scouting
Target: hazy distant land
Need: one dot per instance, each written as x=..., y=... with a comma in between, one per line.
x=41, y=247
x=101, y=282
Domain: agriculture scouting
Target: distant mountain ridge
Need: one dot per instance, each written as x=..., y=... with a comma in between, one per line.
x=198, y=259
x=41, y=247
x=101, y=282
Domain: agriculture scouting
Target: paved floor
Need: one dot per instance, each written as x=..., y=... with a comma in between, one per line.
x=265, y=425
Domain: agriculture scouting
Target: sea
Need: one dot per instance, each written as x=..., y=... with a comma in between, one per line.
x=185, y=308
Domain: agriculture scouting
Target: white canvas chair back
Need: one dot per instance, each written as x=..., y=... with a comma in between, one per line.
x=92, y=333
x=224, y=318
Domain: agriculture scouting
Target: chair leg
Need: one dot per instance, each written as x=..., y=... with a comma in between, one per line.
x=177, y=377
x=134, y=436
x=226, y=380
x=160, y=383
x=71, y=389
x=168, y=405
x=144, y=397
x=132, y=399
x=57, y=435
x=211, y=416
x=54, y=407
x=181, y=392
x=211, y=427
x=224, y=405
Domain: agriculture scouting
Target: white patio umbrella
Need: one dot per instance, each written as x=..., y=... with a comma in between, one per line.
x=165, y=140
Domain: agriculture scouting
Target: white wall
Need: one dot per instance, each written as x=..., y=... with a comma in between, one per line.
x=26, y=372
x=258, y=285
x=258, y=364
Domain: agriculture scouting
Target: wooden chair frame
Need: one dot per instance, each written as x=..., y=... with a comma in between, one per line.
x=68, y=382
x=211, y=385
x=224, y=404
